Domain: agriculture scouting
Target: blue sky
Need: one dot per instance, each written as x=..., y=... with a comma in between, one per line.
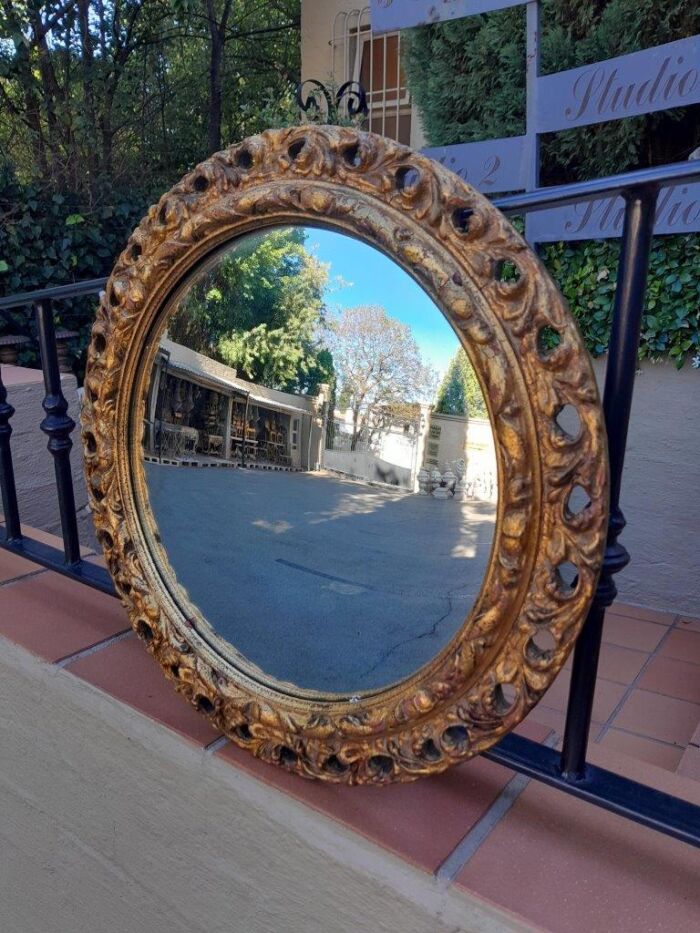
x=371, y=278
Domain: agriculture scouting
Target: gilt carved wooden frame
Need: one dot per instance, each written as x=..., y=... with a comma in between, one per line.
x=508, y=316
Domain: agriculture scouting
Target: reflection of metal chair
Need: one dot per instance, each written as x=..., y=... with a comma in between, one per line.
x=176, y=440
x=215, y=445
x=170, y=440
x=190, y=437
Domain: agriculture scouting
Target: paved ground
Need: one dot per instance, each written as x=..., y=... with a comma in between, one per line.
x=329, y=584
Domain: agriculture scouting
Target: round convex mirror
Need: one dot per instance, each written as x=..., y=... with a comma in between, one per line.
x=345, y=455
x=320, y=464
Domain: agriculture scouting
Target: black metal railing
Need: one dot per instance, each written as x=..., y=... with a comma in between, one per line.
x=58, y=426
x=567, y=770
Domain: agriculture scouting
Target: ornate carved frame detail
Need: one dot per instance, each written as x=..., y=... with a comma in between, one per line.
x=506, y=312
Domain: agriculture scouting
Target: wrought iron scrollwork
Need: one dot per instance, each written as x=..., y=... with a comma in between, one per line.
x=314, y=98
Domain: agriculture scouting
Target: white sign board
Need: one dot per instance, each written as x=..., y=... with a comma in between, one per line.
x=677, y=211
x=391, y=15
x=493, y=166
x=654, y=79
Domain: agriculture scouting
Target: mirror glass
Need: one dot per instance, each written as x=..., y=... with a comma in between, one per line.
x=319, y=460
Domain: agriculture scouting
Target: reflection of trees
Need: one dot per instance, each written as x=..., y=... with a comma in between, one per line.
x=258, y=310
x=379, y=366
x=460, y=392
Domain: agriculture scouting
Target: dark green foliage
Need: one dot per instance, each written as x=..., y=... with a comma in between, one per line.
x=259, y=309
x=133, y=93
x=52, y=239
x=586, y=272
x=459, y=392
x=468, y=79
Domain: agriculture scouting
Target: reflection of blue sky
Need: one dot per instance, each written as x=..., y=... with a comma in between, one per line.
x=361, y=275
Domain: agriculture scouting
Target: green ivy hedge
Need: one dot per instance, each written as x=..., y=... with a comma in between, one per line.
x=51, y=240
x=586, y=273
x=54, y=239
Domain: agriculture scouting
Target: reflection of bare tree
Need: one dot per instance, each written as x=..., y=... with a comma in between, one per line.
x=379, y=366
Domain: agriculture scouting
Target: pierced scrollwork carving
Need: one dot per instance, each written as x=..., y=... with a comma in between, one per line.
x=454, y=243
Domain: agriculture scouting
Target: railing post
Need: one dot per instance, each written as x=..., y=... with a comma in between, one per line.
x=13, y=530
x=640, y=206
x=58, y=426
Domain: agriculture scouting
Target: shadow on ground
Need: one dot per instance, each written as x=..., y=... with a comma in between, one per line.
x=330, y=584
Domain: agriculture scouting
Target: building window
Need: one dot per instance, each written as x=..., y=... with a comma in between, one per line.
x=374, y=61
x=295, y=433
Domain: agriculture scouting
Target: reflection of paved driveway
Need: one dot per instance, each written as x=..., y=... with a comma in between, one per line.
x=330, y=584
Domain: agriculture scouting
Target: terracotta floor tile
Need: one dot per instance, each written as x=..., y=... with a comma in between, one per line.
x=659, y=717
x=641, y=612
x=689, y=765
x=607, y=696
x=567, y=866
x=128, y=672
x=643, y=749
x=632, y=633
x=621, y=665
x=13, y=566
x=54, y=616
x=695, y=738
x=54, y=540
x=554, y=719
x=98, y=559
x=689, y=624
x=683, y=645
x=673, y=678
x=421, y=822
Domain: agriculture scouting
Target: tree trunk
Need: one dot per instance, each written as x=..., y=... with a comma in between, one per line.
x=214, y=124
x=87, y=82
x=217, y=34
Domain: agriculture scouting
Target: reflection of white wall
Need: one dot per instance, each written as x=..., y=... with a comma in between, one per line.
x=393, y=457
x=451, y=437
x=439, y=441
x=367, y=465
x=398, y=447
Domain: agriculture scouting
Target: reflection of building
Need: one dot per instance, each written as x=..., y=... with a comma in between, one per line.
x=199, y=411
x=337, y=43
x=395, y=454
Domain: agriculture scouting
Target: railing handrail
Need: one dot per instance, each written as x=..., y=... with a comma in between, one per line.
x=522, y=203
x=559, y=195
x=58, y=292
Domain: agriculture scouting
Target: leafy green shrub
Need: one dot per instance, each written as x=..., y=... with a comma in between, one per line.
x=586, y=273
x=459, y=392
x=54, y=239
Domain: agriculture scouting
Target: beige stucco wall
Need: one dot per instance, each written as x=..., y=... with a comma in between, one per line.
x=317, y=18
x=112, y=824
x=661, y=489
